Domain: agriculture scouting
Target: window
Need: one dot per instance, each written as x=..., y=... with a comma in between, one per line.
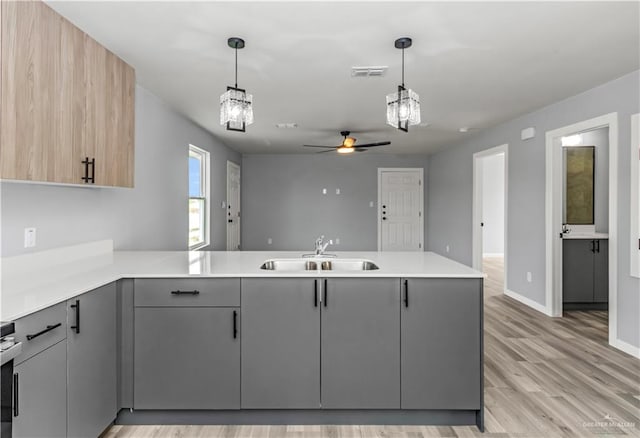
x=198, y=198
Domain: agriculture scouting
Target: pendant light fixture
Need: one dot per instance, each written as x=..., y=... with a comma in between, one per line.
x=403, y=107
x=236, y=109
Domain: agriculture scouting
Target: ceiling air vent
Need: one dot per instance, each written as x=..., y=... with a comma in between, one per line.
x=365, y=72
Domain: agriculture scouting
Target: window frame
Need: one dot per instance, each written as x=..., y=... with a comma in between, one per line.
x=205, y=165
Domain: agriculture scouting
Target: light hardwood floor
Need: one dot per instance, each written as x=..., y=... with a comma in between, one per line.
x=544, y=377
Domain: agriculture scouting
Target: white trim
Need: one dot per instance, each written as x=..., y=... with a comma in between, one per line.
x=635, y=196
x=553, y=216
x=206, y=190
x=626, y=347
x=492, y=254
x=476, y=214
x=527, y=301
x=423, y=216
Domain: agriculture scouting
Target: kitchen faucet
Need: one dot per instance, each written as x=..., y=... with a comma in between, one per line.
x=320, y=247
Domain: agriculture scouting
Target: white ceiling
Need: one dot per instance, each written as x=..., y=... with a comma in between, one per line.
x=473, y=64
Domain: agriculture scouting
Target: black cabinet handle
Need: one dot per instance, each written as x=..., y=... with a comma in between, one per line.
x=93, y=171
x=235, y=324
x=597, y=246
x=185, y=292
x=15, y=395
x=406, y=293
x=42, y=332
x=77, y=307
x=593, y=246
x=85, y=177
x=325, y=292
x=315, y=293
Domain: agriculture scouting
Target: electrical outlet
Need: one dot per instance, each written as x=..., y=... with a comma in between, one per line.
x=371, y=204
x=269, y=241
x=324, y=191
x=337, y=191
x=529, y=277
x=337, y=241
x=447, y=248
x=29, y=237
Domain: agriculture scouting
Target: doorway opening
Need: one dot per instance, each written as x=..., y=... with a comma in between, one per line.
x=400, y=209
x=233, y=206
x=490, y=216
x=581, y=255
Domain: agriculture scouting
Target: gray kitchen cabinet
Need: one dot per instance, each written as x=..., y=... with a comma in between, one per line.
x=187, y=358
x=42, y=394
x=360, y=346
x=441, y=343
x=91, y=362
x=280, y=343
x=585, y=272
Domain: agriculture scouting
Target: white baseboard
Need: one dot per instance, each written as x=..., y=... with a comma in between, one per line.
x=527, y=301
x=626, y=347
x=492, y=254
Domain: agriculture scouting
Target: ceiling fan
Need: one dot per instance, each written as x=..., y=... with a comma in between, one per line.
x=348, y=145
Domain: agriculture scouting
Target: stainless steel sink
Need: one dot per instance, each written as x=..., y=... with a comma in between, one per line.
x=348, y=265
x=289, y=265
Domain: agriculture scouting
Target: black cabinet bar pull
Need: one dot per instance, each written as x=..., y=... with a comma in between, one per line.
x=235, y=324
x=185, y=292
x=42, y=332
x=597, y=246
x=406, y=293
x=325, y=292
x=593, y=246
x=77, y=307
x=315, y=293
x=85, y=178
x=93, y=171
x=15, y=395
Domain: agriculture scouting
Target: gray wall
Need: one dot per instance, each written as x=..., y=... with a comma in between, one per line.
x=282, y=199
x=151, y=216
x=450, y=193
x=493, y=204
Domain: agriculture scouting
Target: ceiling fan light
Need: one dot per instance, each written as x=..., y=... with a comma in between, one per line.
x=348, y=142
x=345, y=149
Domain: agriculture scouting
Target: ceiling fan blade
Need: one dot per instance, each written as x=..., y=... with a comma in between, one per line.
x=328, y=150
x=361, y=150
x=318, y=146
x=370, y=145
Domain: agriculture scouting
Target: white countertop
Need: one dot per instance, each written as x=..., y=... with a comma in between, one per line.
x=570, y=236
x=29, y=286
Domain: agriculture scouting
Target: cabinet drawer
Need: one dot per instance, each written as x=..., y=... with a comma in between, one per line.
x=41, y=328
x=187, y=292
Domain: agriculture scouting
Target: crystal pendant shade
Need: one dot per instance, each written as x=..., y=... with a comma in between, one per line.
x=236, y=109
x=403, y=108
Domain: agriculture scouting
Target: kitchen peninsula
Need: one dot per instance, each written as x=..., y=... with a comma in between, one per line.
x=211, y=338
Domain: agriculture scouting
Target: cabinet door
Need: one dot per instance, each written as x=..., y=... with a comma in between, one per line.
x=109, y=108
x=577, y=271
x=91, y=357
x=442, y=344
x=35, y=140
x=186, y=358
x=360, y=343
x=280, y=344
x=601, y=272
x=42, y=394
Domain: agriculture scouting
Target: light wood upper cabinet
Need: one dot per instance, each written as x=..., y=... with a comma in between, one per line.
x=64, y=98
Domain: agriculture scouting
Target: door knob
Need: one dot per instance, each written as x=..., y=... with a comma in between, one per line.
x=230, y=221
x=384, y=218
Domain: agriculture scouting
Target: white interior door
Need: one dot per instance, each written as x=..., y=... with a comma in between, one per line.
x=400, y=210
x=233, y=206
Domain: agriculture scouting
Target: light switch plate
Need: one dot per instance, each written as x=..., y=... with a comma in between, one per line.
x=29, y=237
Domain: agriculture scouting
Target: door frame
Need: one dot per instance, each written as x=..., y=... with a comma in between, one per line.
x=420, y=172
x=553, y=215
x=476, y=242
x=230, y=165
